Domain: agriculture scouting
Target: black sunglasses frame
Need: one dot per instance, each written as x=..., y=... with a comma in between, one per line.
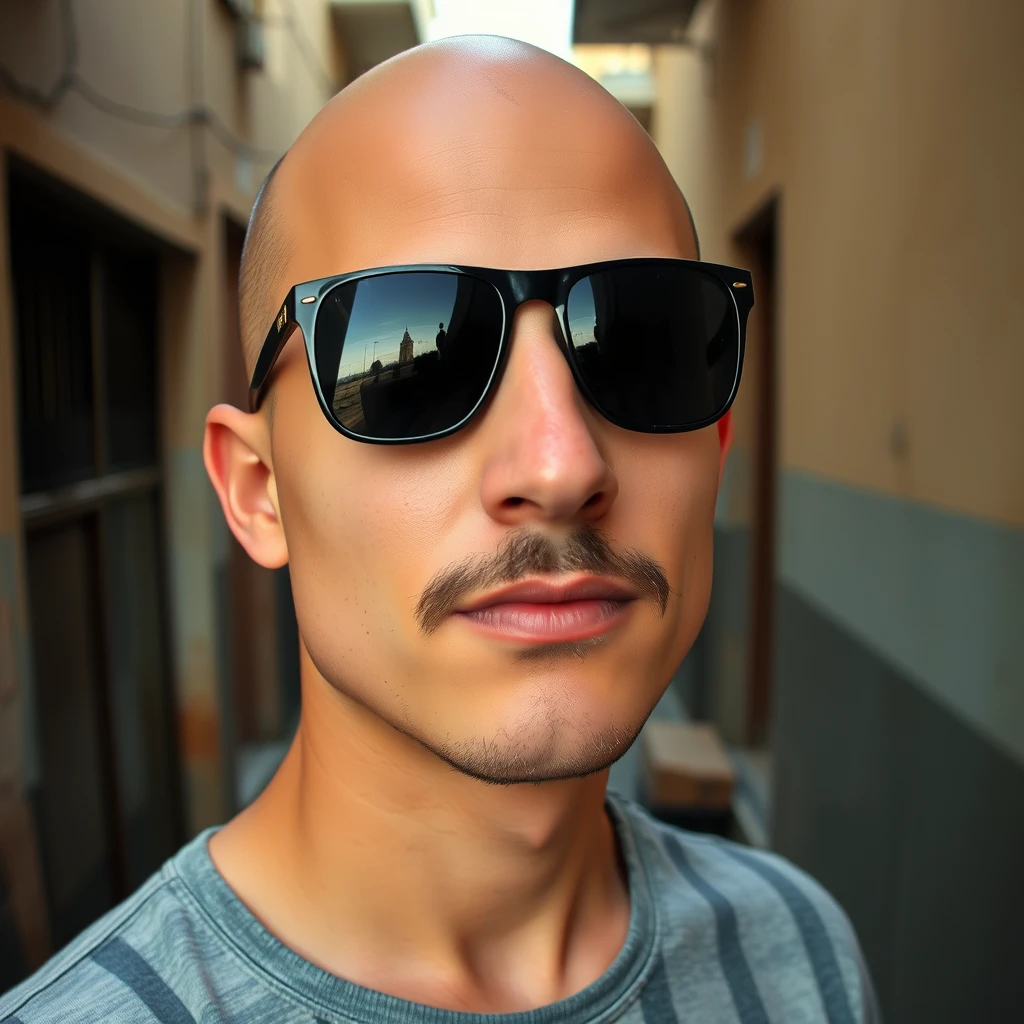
x=514, y=287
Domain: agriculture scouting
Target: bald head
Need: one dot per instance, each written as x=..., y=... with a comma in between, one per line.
x=434, y=154
x=476, y=151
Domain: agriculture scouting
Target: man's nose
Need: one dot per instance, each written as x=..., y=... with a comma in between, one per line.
x=543, y=461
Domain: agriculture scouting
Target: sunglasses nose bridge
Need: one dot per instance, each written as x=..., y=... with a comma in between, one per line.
x=544, y=286
x=539, y=285
x=526, y=285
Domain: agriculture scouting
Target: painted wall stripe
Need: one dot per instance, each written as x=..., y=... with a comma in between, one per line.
x=121, y=960
x=940, y=596
x=820, y=948
x=740, y=979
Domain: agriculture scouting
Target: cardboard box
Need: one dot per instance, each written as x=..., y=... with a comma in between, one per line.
x=685, y=767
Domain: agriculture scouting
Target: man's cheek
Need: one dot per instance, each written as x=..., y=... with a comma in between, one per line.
x=683, y=540
x=669, y=517
x=358, y=571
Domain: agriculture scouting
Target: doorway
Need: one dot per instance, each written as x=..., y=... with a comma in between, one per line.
x=106, y=794
x=757, y=242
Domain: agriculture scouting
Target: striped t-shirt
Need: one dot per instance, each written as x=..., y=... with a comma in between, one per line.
x=717, y=932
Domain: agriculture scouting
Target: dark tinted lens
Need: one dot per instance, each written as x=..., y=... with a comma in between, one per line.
x=657, y=346
x=406, y=355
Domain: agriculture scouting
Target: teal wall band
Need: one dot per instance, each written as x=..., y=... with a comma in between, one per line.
x=938, y=595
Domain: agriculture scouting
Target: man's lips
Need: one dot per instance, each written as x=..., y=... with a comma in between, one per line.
x=550, y=611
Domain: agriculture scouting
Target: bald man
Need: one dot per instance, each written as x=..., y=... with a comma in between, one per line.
x=499, y=558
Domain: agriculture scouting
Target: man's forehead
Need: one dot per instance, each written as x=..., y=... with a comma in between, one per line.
x=478, y=151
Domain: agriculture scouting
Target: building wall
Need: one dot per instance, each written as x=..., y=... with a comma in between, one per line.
x=889, y=130
x=165, y=57
x=179, y=182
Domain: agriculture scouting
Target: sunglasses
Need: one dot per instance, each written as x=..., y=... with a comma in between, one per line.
x=400, y=355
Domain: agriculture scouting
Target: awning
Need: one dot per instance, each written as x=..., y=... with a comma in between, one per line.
x=371, y=31
x=632, y=21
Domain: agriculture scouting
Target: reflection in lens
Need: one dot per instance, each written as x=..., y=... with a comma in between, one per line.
x=656, y=346
x=405, y=355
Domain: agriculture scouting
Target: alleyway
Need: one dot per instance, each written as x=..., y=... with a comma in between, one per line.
x=859, y=677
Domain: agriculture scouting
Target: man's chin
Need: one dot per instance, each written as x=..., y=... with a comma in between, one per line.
x=554, y=759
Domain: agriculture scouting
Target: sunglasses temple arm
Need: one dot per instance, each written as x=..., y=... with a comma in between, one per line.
x=276, y=338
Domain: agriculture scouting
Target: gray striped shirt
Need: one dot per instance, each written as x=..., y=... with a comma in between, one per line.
x=718, y=932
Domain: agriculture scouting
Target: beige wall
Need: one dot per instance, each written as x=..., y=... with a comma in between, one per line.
x=891, y=129
x=146, y=55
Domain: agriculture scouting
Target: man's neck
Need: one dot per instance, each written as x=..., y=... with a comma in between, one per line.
x=369, y=856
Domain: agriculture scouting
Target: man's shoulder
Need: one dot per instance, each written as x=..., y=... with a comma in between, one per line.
x=749, y=878
x=114, y=967
x=64, y=987
x=781, y=924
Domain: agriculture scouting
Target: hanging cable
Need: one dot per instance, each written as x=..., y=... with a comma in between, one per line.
x=223, y=134
x=70, y=81
x=195, y=14
x=125, y=112
x=49, y=99
x=290, y=19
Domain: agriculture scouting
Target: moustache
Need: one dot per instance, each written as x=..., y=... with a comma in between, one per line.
x=526, y=553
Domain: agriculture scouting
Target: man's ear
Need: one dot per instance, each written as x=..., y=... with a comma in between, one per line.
x=724, y=442
x=236, y=450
